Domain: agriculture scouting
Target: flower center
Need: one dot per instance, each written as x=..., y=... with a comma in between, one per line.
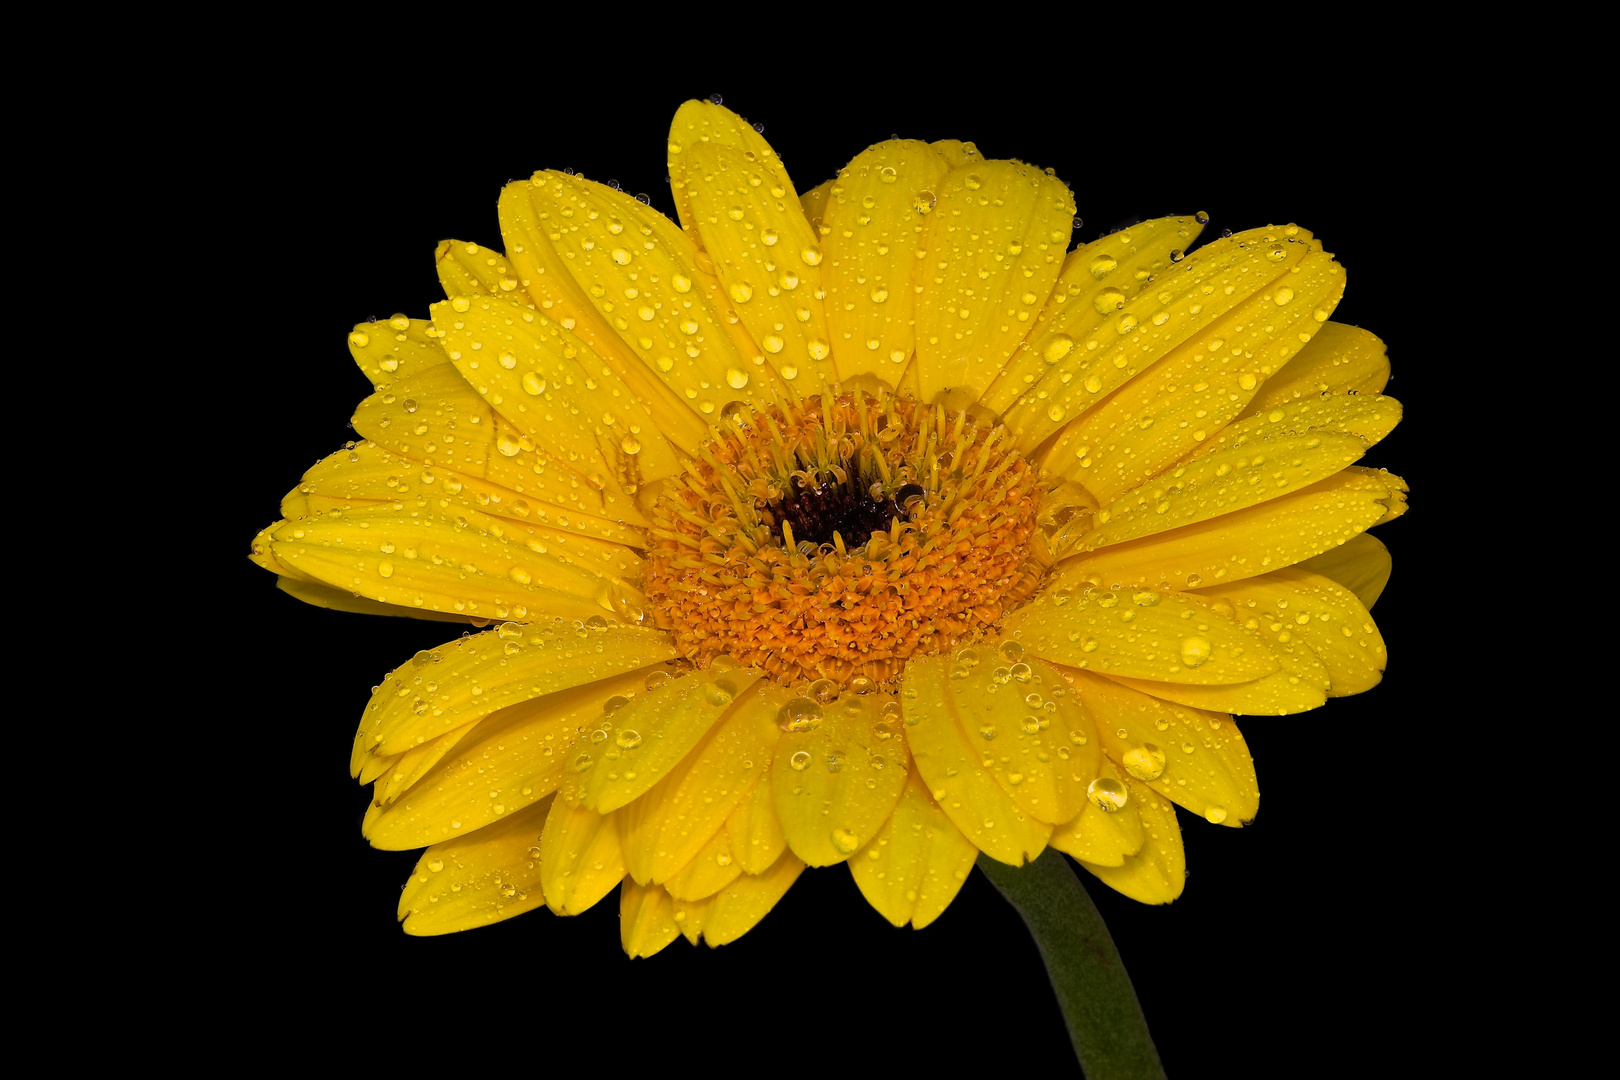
x=834, y=537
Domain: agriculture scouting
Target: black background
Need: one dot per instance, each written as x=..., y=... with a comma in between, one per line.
x=1302, y=943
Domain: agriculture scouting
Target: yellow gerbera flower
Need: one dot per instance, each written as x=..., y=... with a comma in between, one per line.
x=867, y=526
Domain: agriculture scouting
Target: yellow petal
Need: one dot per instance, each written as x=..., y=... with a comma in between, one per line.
x=646, y=919
x=917, y=862
x=395, y=349
x=413, y=764
x=546, y=278
x=1195, y=391
x=1157, y=873
x=337, y=600
x=539, y=515
x=646, y=279
x=1340, y=359
x=1096, y=281
x=835, y=785
x=956, y=152
x=412, y=554
x=1256, y=540
x=665, y=828
x=1281, y=693
x=756, y=234
x=1367, y=417
x=454, y=684
x=704, y=123
x=737, y=909
x=1197, y=759
x=995, y=243
x=467, y=269
x=476, y=880
x=709, y=871
x=435, y=416
x=873, y=223
x=1145, y=634
x=632, y=748
x=1175, y=313
x=1104, y=834
x=1224, y=482
x=1361, y=564
x=814, y=203
x=543, y=379
x=581, y=859
x=511, y=760
x=960, y=780
x=1296, y=605
x=756, y=834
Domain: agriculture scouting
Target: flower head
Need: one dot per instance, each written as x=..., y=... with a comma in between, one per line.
x=868, y=526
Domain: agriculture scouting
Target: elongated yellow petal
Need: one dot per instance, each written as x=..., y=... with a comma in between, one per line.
x=1095, y=283
x=646, y=278
x=646, y=919
x=1176, y=312
x=581, y=858
x=511, y=760
x=1366, y=417
x=435, y=416
x=873, y=222
x=709, y=871
x=995, y=243
x=412, y=554
x=448, y=687
x=1223, y=483
x=1361, y=564
x=668, y=826
x=1145, y=634
x=917, y=862
x=1196, y=759
x=543, y=380
x=1106, y=832
x=545, y=277
x=1195, y=391
x=476, y=880
x=756, y=834
x=1340, y=359
x=837, y=784
x=706, y=124
x=1256, y=540
x=365, y=474
x=467, y=269
x=326, y=596
x=397, y=349
x=767, y=257
x=1281, y=693
x=1158, y=872
x=1295, y=604
x=961, y=780
x=737, y=908
x=412, y=765
x=632, y=748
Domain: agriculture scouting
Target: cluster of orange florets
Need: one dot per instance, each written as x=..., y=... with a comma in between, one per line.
x=727, y=576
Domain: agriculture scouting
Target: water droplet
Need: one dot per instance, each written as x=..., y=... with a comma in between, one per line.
x=845, y=841
x=1144, y=762
x=799, y=714
x=1215, y=814
x=680, y=283
x=720, y=693
x=811, y=256
x=1195, y=650
x=385, y=568
x=1057, y=347
x=630, y=444
x=1107, y=794
x=974, y=181
x=800, y=761
x=628, y=739
x=824, y=691
x=737, y=378
x=742, y=292
x=1103, y=265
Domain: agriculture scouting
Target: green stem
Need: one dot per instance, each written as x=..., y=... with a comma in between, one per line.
x=1106, y=1025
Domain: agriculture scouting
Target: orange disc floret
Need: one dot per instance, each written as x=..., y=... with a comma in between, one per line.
x=836, y=537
